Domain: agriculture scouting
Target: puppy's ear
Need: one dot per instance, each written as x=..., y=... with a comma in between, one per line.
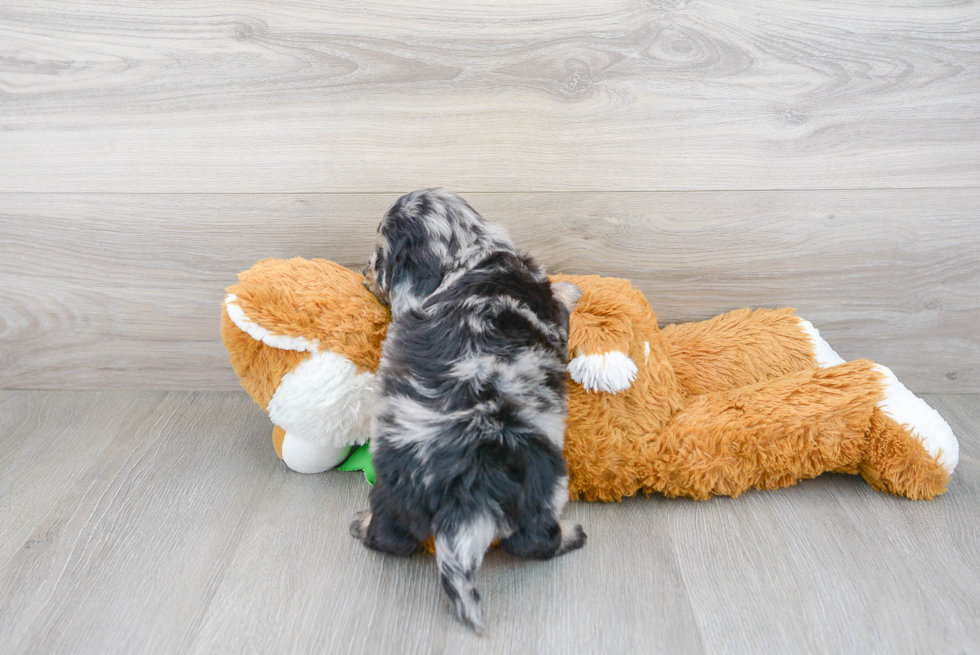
x=567, y=293
x=411, y=260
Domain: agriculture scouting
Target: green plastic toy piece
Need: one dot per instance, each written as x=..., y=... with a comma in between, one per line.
x=360, y=460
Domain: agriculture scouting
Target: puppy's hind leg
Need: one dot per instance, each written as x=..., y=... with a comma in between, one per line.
x=545, y=540
x=573, y=537
x=378, y=530
x=541, y=535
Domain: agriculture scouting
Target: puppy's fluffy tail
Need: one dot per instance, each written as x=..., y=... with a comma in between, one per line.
x=460, y=547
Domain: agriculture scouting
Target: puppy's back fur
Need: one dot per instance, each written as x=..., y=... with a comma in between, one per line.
x=469, y=422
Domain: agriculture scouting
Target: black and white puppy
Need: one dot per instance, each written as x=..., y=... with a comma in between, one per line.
x=469, y=417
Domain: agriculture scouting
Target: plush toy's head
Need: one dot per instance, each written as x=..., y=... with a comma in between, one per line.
x=305, y=336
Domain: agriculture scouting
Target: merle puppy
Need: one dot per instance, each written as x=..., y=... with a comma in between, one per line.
x=469, y=417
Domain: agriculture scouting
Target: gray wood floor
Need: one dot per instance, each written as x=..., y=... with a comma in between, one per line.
x=161, y=522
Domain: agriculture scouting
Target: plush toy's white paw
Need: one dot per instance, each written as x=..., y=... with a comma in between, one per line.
x=826, y=357
x=925, y=423
x=305, y=457
x=610, y=372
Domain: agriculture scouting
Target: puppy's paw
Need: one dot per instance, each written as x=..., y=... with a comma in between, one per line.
x=573, y=537
x=359, y=526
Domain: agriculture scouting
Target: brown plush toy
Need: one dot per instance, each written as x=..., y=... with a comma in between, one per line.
x=746, y=400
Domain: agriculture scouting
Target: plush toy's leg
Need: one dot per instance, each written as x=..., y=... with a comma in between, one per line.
x=766, y=435
x=911, y=450
x=304, y=456
x=744, y=347
x=772, y=434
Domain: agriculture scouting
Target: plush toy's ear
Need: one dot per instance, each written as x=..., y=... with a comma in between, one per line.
x=267, y=335
x=567, y=293
x=307, y=306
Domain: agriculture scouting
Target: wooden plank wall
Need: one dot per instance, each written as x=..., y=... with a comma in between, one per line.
x=823, y=155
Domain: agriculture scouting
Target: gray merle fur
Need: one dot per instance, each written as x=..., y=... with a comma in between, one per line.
x=469, y=419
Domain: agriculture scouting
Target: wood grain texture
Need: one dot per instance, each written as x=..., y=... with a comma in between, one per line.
x=858, y=571
x=180, y=531
x=127, y=553
x=123, y=291
x=49, y=445
x=263, y=96
x=300, y=584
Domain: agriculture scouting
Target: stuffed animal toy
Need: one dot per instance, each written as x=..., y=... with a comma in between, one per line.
x=746, y=400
